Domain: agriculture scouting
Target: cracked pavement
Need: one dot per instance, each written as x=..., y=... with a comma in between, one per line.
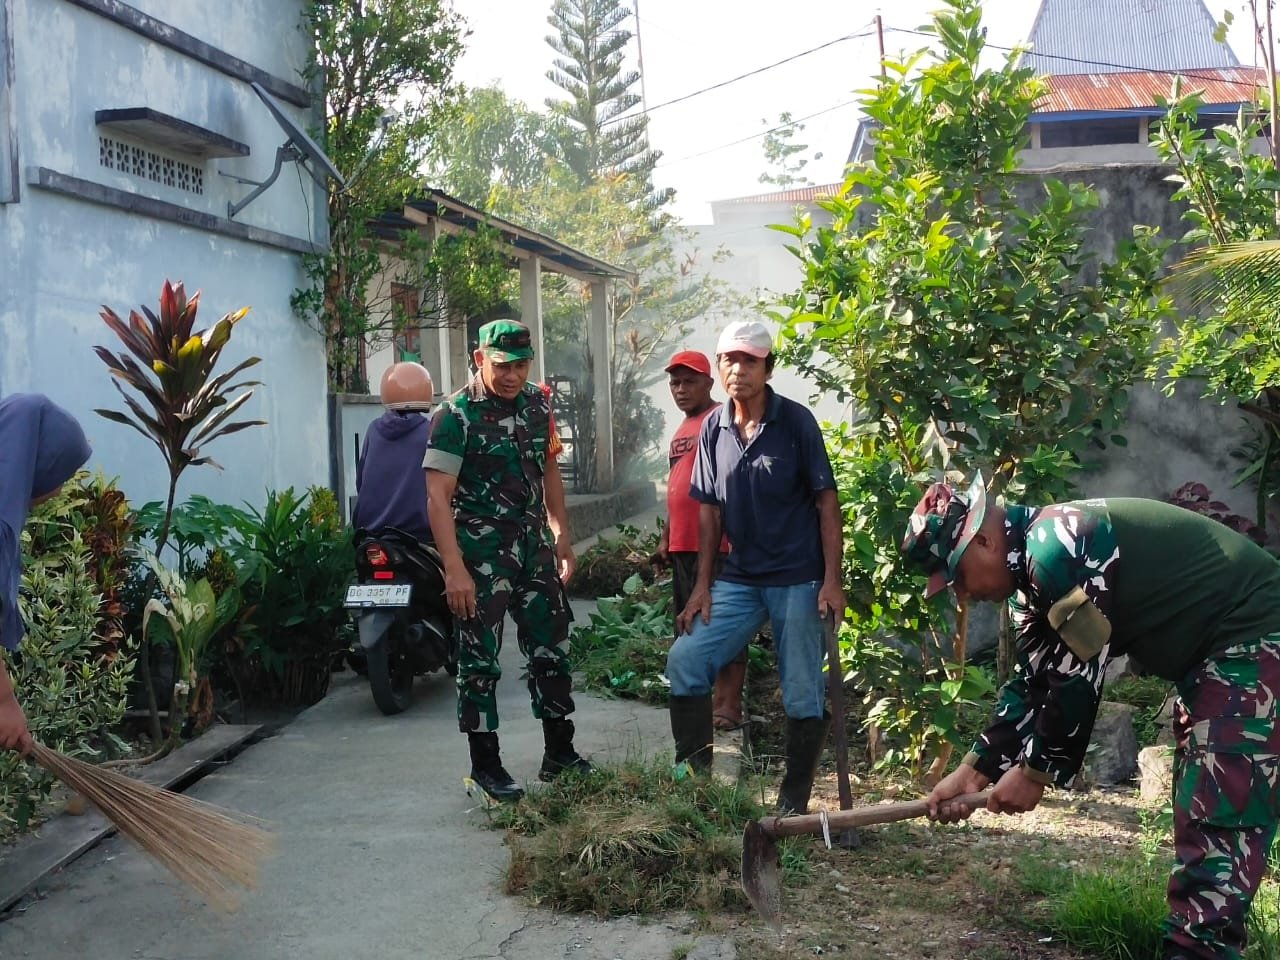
x=380, y=852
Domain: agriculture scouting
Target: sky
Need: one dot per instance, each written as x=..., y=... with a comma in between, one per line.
x=688, y=45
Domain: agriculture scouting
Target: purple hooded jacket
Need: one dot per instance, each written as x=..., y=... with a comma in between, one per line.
x=391, y=484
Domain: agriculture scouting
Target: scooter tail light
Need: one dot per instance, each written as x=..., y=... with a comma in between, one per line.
x=376, y=556
x=384, y=575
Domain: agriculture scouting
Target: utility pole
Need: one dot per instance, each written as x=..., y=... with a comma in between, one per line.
x=644, y=100
x=1266, y=45
x=880, y=36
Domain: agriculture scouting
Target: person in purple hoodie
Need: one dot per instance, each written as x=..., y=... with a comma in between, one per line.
x=41, y=448
x=391, y=484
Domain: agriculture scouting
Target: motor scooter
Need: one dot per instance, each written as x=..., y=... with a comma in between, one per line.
x=403, y=623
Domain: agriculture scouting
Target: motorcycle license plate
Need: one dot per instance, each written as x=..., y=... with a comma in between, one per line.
x=378, y=595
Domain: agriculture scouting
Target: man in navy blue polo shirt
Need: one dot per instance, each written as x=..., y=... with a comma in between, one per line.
x=762, y=477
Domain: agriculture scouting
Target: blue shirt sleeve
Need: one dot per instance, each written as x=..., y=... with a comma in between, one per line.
x=702, y=486
x=813, y=454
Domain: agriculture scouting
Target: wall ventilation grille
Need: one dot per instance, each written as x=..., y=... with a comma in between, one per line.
x=149, y=165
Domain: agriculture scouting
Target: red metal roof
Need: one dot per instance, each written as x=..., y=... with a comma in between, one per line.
x=798, y=195
x=1134, y=90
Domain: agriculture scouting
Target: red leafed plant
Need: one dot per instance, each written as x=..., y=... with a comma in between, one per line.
x=1197, y=498
x=181, y=405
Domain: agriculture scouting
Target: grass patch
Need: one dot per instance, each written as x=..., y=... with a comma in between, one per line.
x=1114, y=913
x=633, y=841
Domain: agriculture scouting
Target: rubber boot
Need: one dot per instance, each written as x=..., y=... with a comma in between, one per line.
x=692, y=730
x=487, y=770
x=559, y=754
x=805, y=740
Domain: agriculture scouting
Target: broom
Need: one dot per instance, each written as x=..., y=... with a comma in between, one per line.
x=211, y=850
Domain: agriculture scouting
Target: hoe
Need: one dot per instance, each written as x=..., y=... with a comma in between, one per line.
x=760, y=852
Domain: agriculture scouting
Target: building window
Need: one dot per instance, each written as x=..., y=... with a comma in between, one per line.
x=145, y=164
x=408, y=342
x=1090, y=133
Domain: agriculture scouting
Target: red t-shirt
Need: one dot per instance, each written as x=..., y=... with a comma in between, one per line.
x=682, y=509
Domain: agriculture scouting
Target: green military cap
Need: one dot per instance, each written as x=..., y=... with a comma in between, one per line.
x=940, y=528
x=506, y=340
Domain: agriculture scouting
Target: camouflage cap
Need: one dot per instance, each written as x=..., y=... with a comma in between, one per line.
x=504, y=341
x=940, y=528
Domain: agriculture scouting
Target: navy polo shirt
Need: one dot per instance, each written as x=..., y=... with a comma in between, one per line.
x=766, y=491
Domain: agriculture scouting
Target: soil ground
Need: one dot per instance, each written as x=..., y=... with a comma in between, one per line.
x=919, y=890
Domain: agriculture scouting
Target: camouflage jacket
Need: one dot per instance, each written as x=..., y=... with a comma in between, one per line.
x=498, y=451
x=1103, y=578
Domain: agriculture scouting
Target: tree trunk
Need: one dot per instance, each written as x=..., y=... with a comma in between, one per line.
x=1004, y=648
x=938, y=768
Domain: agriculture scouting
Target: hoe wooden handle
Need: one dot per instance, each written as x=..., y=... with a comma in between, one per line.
x=861, y=816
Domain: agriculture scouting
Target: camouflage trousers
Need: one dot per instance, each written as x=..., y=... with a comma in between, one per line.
x=515, y=572
x=1226, y=792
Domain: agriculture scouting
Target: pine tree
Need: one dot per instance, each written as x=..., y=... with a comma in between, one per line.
x=591, y=43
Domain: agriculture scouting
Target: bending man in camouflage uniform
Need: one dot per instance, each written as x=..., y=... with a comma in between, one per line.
x=1186, y=599
x=493, y=482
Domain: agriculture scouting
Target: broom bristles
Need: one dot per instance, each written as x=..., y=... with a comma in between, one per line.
x=213, y=851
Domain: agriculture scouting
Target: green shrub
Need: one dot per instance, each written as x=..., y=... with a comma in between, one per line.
x=623, y=649
x=296, y=559
x=73, y=667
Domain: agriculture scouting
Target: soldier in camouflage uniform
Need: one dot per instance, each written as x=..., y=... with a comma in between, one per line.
x=1185, y=598
x=493, y=484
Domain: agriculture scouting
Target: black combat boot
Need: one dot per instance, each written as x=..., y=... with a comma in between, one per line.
x=805, y=740
x=559, y=755
x=487, y=770
x=692, y=730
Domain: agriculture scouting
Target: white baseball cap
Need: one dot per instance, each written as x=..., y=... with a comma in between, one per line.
x=746, y=336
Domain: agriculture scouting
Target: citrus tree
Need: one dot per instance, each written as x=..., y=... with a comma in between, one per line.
x=957, y=303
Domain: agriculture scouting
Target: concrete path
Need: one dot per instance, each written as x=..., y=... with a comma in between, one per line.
x=381, y=854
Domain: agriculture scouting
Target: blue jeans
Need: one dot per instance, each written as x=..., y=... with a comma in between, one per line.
x=737, y=612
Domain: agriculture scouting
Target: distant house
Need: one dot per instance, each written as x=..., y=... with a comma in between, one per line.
x=131, y=135
x=444, y=343
x=1106, y=62
x=760, y=267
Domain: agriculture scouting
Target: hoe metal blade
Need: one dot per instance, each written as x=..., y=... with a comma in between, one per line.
x=760, y=873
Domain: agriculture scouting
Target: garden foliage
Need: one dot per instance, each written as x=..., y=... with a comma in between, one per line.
x=1229, y=346
x=74, y=665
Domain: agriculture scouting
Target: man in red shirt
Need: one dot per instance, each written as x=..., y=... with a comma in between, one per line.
x=689, y=377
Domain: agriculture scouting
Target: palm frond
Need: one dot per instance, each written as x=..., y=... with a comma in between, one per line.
x=1245, y=277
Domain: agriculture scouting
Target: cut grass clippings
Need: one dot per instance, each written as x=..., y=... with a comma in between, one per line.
x=634, y=840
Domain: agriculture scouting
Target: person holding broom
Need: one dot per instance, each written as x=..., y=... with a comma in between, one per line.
x=1186, y=599
x=41, y=448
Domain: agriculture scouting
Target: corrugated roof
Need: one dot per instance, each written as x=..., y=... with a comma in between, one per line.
x=1104, y=36
x=1132, y=91
x=434, y=203
x=798, y=195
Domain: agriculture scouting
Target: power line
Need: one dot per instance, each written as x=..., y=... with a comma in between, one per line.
x=1191, y=75
x=743, y=76
x=1127, y=67
x=754, y=136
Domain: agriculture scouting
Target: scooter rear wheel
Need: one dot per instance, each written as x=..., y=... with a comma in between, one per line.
x=390, y=674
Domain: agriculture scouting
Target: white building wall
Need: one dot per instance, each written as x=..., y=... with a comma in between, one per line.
x=64, y=256
x=759, y=268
